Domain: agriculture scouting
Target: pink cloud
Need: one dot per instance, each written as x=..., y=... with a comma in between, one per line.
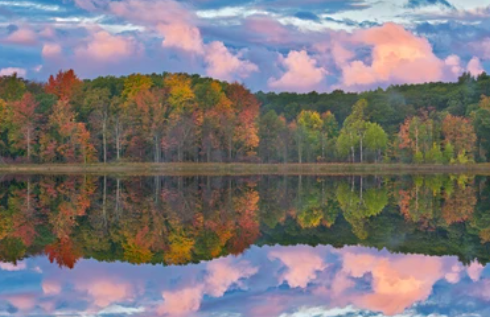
x=397, y=282
x=269, y=30
x=302, y=73
x=22, y=36
x=23, y=302
x=474, y=271
x=21, y=72
x=223, y=273
x=105, y=47
x=224, y=65
x=302, y=265
x=51, y=50
x=182, y=302
x=182, y=36
x=152, y=12
x=51, y=287
x=454, y=64
x=397, y=56
x=13, y=267
x=106, y=291
x=475, y=67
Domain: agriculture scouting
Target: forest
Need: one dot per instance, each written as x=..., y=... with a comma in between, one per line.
x=181, y=220
x=187, y=118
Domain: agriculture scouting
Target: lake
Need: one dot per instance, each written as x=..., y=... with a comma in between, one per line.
x=288, y=246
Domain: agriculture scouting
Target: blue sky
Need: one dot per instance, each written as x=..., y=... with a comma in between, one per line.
x=282, y=45
x=295, y=281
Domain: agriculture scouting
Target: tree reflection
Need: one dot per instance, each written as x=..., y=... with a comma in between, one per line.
x=180, y=220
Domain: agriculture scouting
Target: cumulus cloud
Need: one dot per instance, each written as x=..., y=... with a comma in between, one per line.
x=182, y=36
x=51, y=50
x=475, y=67
x=105, y=47
x=222, y=64
x=106, y=291
x=221, y=275
x=302, y=73
x=397, y=57
x=181, y=302
x=22, y=36
x=302, y=265
x=21, y=72
x=397, y=282
x=474, y=271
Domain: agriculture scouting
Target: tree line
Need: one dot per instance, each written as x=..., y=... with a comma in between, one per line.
x=186, y=118
x=181, y=220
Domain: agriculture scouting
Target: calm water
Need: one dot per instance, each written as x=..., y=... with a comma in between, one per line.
x=245, y=246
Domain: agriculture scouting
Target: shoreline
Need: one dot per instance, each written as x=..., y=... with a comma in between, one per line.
x=244, y=169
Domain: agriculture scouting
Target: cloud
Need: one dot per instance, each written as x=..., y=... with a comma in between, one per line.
x=222, y=64
x=181, y=302
x=51, y=50
x=302, y=265
x=221, y=275
x=21, y=72
x=397, y=282
x=474, y=271
x=106, y=291
x=302, y=73
x=22, y=36
x=413, y=4
x=182, y=36
x=90, y=5
x=475, y=67
x=104, y=47
x=51, y=287
x=224, y=273
x=4, y=266
x=397, y=57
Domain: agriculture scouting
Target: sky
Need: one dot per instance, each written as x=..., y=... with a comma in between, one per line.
x=271, y=281
x=269, y=45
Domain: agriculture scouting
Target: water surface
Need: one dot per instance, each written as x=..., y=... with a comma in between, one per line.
x=244, y=246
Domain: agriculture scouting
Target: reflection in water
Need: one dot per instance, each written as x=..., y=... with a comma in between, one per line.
x=249, y=246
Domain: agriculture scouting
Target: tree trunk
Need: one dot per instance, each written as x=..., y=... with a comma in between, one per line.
x=28, y=144
x=118, y=140
x=104, y=138
x=230, y=144
x=360, y=148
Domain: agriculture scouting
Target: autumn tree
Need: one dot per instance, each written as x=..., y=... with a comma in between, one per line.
x=66, y=86
x=460, y=132
x=24, y=124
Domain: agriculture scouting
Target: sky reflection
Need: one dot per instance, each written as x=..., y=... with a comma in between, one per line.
x=263, y=281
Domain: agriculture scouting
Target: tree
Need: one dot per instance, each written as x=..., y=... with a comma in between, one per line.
x=329, y=132
x=461, y=134
x=66, y=86
x=309, y=125
x=354, y=130
x=270, y=127
x=376, y=139
x=184, y=120
x=24, y=123
x=243, y=137
x=99, y=101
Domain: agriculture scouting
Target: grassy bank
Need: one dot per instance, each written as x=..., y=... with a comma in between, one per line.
x=242, y=169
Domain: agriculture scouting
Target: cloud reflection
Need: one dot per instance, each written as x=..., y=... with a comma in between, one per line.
x=268, y=281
